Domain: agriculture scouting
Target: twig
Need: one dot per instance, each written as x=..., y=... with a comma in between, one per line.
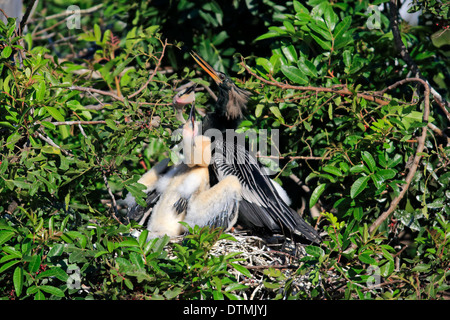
x=25, y=17
x=68, y=13
x=417, y=157
x=153, y=73
x=275, y=266
x=114, y=96
x=154, y=122
x=398, y=39
x=50, y=142
x=344, y=91
x=295, y=157
x=105, y=179
x=70, y=123
x=113, y=199
x=404, y=54
x=104, y=93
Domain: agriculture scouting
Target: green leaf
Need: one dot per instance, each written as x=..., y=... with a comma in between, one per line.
x=18, y=280
x=369, y=160
x=318, y=27
x=299, y=8
x=111, y=124
x=128, y=243
x=307, y=67
x=326, y=45
x=294, y=74
x=258, y=110
x=359, y=168
x=41, y=91
x=387, y=174
x=290, y=53
x=333, y=170
x=347, y=57
x=143, y=238
x=39, y=295
x=265, y=64
x=54, y=272
x=8, y=265
x=316, y=194
x=315, y=251
x=358, y=186
x=422, y=268
x=5, y=236
x=331, y=17
x=276, y=112
x=52, y=290
x=54, y=113
x=97, y=33
x=6, y=52
x=366, y=258
x=34, y=264
x=342, y=27
x=241, y=269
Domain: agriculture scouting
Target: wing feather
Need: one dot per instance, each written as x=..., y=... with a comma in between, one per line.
x=261, y=205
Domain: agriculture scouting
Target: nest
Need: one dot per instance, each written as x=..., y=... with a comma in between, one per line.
x=261, y=256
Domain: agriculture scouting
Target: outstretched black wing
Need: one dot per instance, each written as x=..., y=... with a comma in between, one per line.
x=261, y=205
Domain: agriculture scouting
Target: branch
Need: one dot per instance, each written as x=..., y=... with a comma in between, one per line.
x=153, y=73
x=404, y=54
x=417, y=157
x=344, y=91
x=105, y=179
x=155, y=122
x=68, y=13
x=92, y=90
x=114, y=96
x=25, y=17
x=295, y=157
x=50, y=142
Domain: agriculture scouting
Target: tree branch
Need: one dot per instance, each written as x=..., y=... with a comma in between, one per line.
x=404, y=54
x=153, y=73
x=344, y=91
x=417, y=157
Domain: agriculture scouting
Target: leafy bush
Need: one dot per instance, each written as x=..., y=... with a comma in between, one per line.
x=360, y=104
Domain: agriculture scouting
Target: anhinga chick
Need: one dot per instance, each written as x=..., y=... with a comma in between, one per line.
x=181, y=99
x=186, y=194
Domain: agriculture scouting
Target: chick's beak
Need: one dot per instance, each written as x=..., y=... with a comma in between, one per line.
x=191, y=122
x=192, y=115
x=185, y=96
x=205, y=66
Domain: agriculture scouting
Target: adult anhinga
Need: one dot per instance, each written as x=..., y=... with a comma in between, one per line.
x=262, y=207
x=183, y=192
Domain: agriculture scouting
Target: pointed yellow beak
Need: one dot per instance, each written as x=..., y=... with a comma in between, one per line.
x=205, y=66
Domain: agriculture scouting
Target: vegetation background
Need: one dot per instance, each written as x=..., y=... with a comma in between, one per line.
x=360, y=97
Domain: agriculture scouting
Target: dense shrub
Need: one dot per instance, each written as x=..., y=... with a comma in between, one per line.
x=359, y=100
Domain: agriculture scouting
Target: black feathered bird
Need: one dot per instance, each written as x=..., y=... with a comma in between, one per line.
x=262, y=206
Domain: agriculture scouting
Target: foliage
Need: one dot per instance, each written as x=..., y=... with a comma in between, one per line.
x=84, y=112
